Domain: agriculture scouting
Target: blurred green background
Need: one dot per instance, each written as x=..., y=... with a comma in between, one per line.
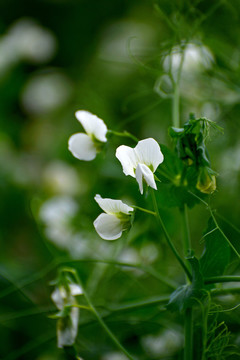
x=107, y=57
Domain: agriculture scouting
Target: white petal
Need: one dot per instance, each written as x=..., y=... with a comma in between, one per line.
x=67, y=328
x=148, y=152
x=82, y=147
x=128, y=159
x=112, y=207
x=75, y=289
x=92, y=124
x=58, y=296
x=144, y=173
x=109, y=227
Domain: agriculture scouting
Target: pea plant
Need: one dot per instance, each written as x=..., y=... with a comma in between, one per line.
x=183, y=177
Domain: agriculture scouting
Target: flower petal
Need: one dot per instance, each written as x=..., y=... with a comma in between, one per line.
x=92, y=125
x=112, y=207
x=82, y=147
x=144, y=173
x=128, y=159
x=58, y=296
x=67, y=328
x=148, y=152
x=109, y=227
x=75, y=289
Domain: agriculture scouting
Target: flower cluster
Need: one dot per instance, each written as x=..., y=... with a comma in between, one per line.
x=140, y=162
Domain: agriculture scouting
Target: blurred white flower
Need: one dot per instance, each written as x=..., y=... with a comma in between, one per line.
x=196, y=58
x=56, y=213
x=164, y=344
x=141, y=162
x=115, y=220
x=33, y=42
x=114, y=356
x=60, y=177
x=45, y=92
x=67, y=326
x=86, y=146
x=26, y=40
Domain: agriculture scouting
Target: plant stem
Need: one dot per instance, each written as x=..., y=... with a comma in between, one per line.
x=167, y=237
x=222, y=279
x=123, y=134
x=216, y=223
x=101, y=321
x=188, y=350
x=225, y=291
x=175, y=105
x=186, y=232
x=164, y=299
x=176, y=94
x=144, y=210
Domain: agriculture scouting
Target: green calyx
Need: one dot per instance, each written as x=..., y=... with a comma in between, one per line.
x=99, y=145
x=125, y=220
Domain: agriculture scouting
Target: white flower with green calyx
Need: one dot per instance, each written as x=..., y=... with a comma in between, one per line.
x=141, y=162
x=86, y=146
x=67, y=326
x=115, y=219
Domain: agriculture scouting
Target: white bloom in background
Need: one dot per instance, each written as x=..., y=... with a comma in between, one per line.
x=26, y=40
x=57, y=214
x=86, y=146
x=141, y=162
x=196, y=58
x=67, y=326
x=164, y=344
x=115, y=220
x=45, y=92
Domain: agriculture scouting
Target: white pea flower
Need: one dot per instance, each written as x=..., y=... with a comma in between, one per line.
x=67, y=326
x=141, y=162
x=115, y=220
x=86, y=146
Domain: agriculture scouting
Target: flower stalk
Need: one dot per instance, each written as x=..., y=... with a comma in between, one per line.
x=167, y=237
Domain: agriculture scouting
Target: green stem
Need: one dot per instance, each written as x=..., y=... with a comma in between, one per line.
x=101, y=321
x=222, y=279
x=123, y=134
x=176, y=122
x=144, y=210
x=188, y=350
x=147, y=269
x=226, y=291
x=216, y=223
x=167, y=237
x=176, y=94
x=131, y=306
x=222, y=233
x=186, y=232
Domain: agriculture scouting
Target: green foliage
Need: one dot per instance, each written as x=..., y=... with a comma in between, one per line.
x=190, y=145
x=99, y=75
x=188, y=295
x=216, y=254
x=173, y=189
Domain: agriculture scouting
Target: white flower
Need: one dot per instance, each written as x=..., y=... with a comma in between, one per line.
x=115, y=220
x=67, y=325
x=86, y=146
x=141, y=162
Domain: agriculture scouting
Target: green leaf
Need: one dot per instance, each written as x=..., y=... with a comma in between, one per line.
x=185, y=296
x=171, y=168
x=216, y=254
x=172, y=191
x=169, y=196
